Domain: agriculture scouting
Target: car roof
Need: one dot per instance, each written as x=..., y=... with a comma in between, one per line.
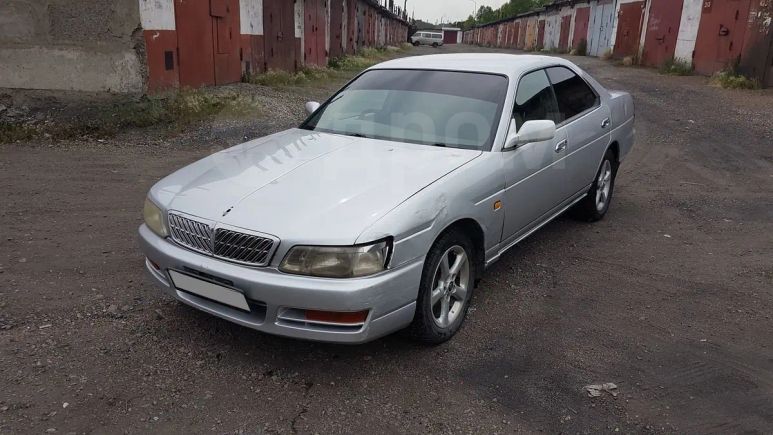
x=497, y=63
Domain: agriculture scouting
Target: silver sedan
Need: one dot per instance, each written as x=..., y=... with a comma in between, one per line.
x=383, y=209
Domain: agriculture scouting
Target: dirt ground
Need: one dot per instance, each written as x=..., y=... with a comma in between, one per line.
x=670, y=298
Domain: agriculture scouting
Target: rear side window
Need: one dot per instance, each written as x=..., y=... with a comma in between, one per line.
x=534, y=99
x=573, y=94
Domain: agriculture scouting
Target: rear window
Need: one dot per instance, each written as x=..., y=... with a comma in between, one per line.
x=573, y=94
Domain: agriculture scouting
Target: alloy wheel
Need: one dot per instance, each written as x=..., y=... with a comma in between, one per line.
x=603, y=186
x=450, y=286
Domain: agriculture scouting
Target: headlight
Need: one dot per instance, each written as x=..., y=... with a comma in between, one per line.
x=337, y=262
x=154, y=218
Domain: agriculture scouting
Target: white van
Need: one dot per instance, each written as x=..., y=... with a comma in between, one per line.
x=434, y=39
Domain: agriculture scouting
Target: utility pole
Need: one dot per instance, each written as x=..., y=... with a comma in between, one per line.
x=475, y=11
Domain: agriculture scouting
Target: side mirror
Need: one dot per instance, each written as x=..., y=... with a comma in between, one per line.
x=531, y=131
x=312, y=107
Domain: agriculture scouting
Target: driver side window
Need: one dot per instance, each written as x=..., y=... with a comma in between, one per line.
x=534, y=99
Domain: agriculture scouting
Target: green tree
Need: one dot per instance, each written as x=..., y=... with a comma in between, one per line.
x=510, y=9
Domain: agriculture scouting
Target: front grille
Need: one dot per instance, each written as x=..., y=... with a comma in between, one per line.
x=223, y=243
x=190, y=233
x=241, y=247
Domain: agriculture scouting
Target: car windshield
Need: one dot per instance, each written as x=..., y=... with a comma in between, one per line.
x=441, y=108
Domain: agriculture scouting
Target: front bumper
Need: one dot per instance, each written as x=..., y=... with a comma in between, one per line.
x=274, y=296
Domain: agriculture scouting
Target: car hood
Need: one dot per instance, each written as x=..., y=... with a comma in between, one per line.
x=307, y=187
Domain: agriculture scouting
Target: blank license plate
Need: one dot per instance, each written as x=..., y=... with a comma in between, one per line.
x=206, y=289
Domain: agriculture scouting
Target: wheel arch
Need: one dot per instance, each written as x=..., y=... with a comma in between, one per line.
x=474, y=231
x=615, y=148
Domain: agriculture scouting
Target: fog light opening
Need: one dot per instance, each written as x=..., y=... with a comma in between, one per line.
x=337, y=317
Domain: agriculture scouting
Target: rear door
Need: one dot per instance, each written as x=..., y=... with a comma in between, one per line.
x=534, y=172
x=586, y=122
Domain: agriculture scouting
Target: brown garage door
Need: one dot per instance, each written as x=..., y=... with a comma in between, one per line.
x=195, y=44
x=720, y=35
x=662, y=30
x=207, y=40
x=629, y=29
x=563, y=38
x=336, y=28
x=279, y=31
x=581, y=19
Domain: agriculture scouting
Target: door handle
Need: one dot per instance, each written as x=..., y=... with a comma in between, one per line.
x=605, y=123
x=561, y=146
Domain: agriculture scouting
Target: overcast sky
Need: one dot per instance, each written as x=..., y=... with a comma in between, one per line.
x=446, y=10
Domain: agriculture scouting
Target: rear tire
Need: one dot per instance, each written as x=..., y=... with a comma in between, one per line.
x=416, y=43
x=434, y=45
x=447, y=282
x=595, y=205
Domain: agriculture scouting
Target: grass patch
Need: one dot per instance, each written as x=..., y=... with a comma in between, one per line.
x=10, y=132
x=676, y=68
x=173, y=111
x=729, y=79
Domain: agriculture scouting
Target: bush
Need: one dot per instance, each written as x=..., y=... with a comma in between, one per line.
x=729, y=79
x=676, y=68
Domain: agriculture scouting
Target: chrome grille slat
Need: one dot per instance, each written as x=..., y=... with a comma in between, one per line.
x=240, y=247
x=192, y=234
x=223, y=243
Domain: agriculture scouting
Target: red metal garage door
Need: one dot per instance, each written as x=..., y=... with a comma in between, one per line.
x=279, y=31
x=563, y=38
x=314, y=30
x=207, y=39
x=662, y=30
x=720, y=34
x=351, y=26
x=581, y=19
x=540, y=34
x=449, y=37
x=516, y=31
x=195, y=45
x=522, y=35
x=629, y=29
x=225, y=15
x=336, y=28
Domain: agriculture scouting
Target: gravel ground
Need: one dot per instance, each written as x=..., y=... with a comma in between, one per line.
x=670, y=297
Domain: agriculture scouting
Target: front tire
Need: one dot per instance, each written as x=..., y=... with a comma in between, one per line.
x=447, y=282
x=434, y=45
x=595, y=205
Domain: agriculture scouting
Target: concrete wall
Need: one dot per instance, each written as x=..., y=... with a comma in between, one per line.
x=688, y=30
x=88, y=45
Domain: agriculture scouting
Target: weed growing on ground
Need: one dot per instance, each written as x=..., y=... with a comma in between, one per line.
x=676, y=68
x=12, y=132
x=729, y=79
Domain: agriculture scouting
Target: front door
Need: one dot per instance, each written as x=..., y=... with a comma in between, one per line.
x=534, y=173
